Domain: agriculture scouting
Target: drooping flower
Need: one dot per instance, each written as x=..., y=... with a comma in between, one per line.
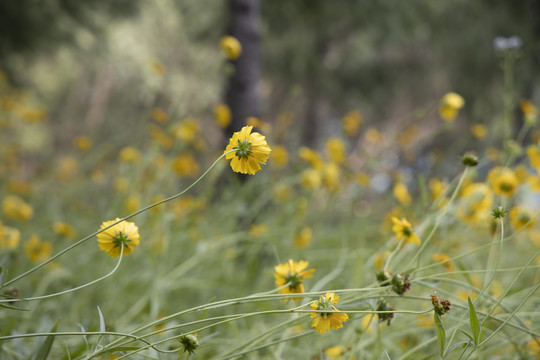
x=503, y=181
x=230, y=47
x=250, y=150
x=294, y=274
x=111, y=240
x=403, y=230
x=450, y=105
x=326, y=320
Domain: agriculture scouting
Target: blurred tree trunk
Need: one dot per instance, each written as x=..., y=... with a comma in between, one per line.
x=241, y=95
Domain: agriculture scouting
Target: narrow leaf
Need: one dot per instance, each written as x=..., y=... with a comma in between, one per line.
x=12, y=307
x=441, y=336
x=101, y=321
x=473, y=319
x=467, y=334
x=43, y=352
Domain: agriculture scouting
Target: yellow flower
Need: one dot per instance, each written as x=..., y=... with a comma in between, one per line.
x=521, y=218
x=527, y=108
x=331, y=173
x=83, y=143
x=251, y=150
x=335, y=352
x=223, y=115
x=9, y=237
x=533, y=152
x=373, y=136
x=187, y=130
x=311, y=157
x=124, y=233
x=476, y=204
x=230, y=47
x=16, y=208
x=36, y=250
x=310, y=179
x=436, y=187
x=129, y=155
x=259, y=124
x=335, y=150
x=303, y=238
x=67, y=168
x=522, y=173
x=534, y=182
x=324, y=321
x=160, y=116
x=186, y=165
x=351, y=122
x=258, y=230
x=363, y=179
x=133, y=203
x=292, y=273
x=403, y=230
x=402, y=194
x=64, y=229
x=282, y=192
x=503, y=181
x=450, y=105
x=280, y=157
x=157, y=133
x=443, y=258
x=479, y=131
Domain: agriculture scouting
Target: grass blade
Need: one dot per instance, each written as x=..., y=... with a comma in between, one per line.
x=441, y=336
x=475, y=325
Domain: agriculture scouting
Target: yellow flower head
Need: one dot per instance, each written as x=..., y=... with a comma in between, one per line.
x=521, y=218
x=373, y=136
x=450, y=105
x=402, y=194
x=64, y=229
x=403, y=230
x=527, y=107
x=9, y=237
x=335, y=150
x=187, y=130
x=533, y=152
x=160, y=116
x=223, y=115
x=186, y=165
x=230, y=47
x=36, y=250
x=129, y=155
x=83, y=143
x=330, y=176
x=351, y=122
x=280, y=157
x=503, y=181
x=310, y=179
x=310, y=156
x=479, y=131
x=16, y=208
x=294, y=274
x=443, y=258
x=324, y=321
x=111, y=240
x=251, y=150
x=303, y=238
x=476, y=205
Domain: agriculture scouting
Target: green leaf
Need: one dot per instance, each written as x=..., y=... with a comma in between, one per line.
x=43, y=352
x=441, y=336
x=12, y=307
x=473, y=319
x=467, y=334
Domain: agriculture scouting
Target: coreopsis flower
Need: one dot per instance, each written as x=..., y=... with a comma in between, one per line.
x=335, y=150
x=258, y=124
x=160, y=116
x=450, y=105
x=533, y=153
x=302, y=239
x=529, y=110
x=250, y=150
x=401, y=193
x=280, y=157
x=222, y=115
x=351, y=122
x=186, y=165
x=479, y=131
x=403, y=230
x=373, y=136
x=83, y=143
x=330, y=176
x=129, y=155
x=443, y=258
x=292, y=273
x=310, y=156
x=16, y=208
x=310, y=179
x=187, y=130
x=436, y=186
x=521, y=218
x=9, y=237
x=534, y=182
x=477, y=200
x=503, y=181
x=257, y=230
x=230, y=47
x=67, y=168
x=37, y=250
x=111, y=240
x=324, y=321
x=64, y=229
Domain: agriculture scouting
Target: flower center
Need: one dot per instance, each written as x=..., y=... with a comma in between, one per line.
x=294, y=280
x=407, y=231
x=120, y=239
x=243, y=150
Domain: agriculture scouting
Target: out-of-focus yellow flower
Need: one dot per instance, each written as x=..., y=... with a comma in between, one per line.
x=9, y=237
x=36, y=250
x=533, y=347
x=19, y=186
x=132, y=204
x=450, y=105
x=330, y=176
x=186, y=165
x=522, y=173
x=310, y=156
x=160, y=116
x=187, y=130
x=292, y=273
x=257, y=230
x=129, y=155
x=251, y=150
x=67, y=168
x=373, y=136
x=310, y=179
x=160, y=137
x=528, y=108
x=335, y=150
x=280, y=157
x=16, y=208
x=401, y=193
x=230, y=47
x=32, y=115
x=324, y=321
x=187, y=204
x=443, y=258
x=64, y=229
x=363, y=179
x=521, y=218
x=121, y=184
x=111, y=240
x=534, y=182
x=97, y=176
x=351, y=122
x=259, y=124
x=302, y=239
x=533, y=152
x=282, y=192
x=157, y=67
x=334, y=352
x=479, y=131
x=504, y=181
x=475, y=207
x=223, y=115
x=380, y=259
x=492, y=154
x=436, y=186
x=403, y=230
x=409, y=136
x=83, y=143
